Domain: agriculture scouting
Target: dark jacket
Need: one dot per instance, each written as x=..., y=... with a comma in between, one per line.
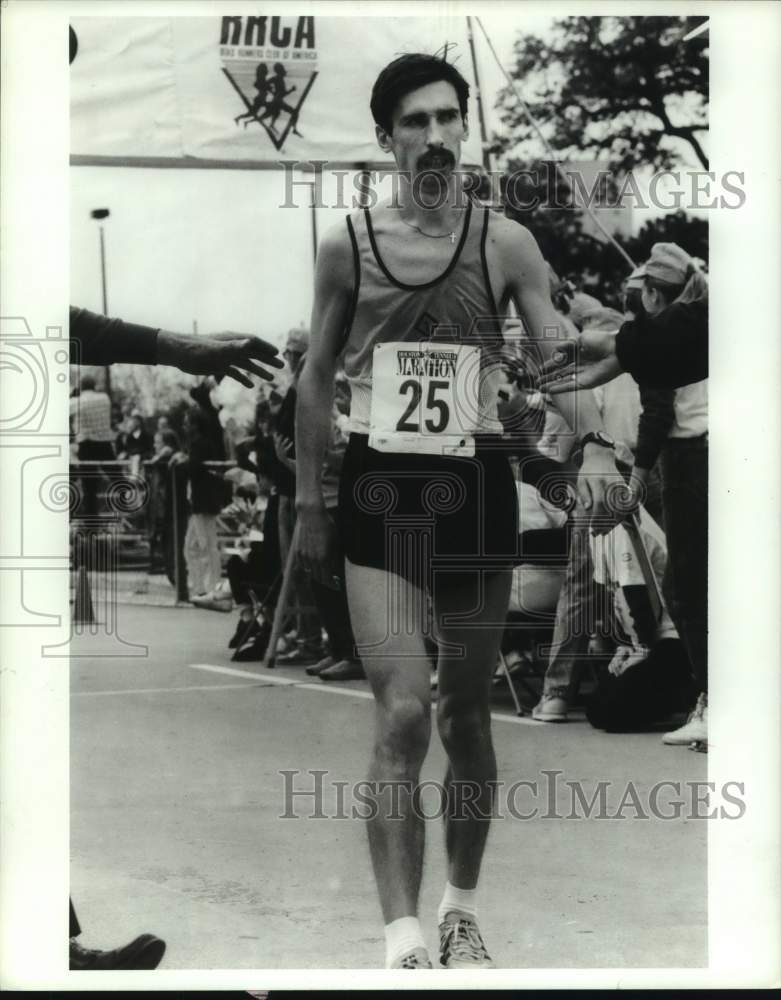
x=667, y=350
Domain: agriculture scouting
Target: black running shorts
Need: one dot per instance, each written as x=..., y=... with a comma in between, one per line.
x=415, y=514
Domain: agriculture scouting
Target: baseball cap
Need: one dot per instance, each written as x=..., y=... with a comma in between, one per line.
x=637, y=278
x=668, y=262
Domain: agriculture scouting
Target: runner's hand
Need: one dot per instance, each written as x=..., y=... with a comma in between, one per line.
x=316, y=546
x=219, y=354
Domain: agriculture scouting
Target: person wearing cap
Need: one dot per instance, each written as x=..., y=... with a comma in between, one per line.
x=663, y=351
x=675, y=303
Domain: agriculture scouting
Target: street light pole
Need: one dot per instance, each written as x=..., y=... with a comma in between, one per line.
x=103, y=270
x=100, y=214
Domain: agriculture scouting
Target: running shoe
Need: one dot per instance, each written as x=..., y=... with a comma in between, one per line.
x=460, y=943
x=415, y=959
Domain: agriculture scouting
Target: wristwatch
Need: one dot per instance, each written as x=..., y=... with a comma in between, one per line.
x=598, y=437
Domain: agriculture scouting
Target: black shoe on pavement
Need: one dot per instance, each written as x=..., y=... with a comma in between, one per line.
x=254, y=650
x=344, y=670
x=304, y=654
x=245, y=630
x=317, y=668
x=145, y=952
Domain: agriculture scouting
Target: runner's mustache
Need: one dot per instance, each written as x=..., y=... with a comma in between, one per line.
x=442, y=157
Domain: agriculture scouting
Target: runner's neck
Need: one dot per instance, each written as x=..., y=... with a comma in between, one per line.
x=444, y=217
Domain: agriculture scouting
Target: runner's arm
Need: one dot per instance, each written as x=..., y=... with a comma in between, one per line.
x=330, y=314
x=528, y=284
x=333, y=281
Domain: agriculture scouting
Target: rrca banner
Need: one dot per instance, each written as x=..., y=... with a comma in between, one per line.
x=256, y=89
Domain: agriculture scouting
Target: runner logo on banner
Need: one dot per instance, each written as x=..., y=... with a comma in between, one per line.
x=425, y=398
x=271, y=63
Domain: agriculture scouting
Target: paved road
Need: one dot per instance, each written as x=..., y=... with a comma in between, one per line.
x=177, y=797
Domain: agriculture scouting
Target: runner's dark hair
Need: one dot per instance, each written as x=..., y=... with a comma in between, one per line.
x=407, y=73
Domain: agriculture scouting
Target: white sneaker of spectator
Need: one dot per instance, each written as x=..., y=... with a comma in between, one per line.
x=215, y=601
x=550, y=708
x=694, y=730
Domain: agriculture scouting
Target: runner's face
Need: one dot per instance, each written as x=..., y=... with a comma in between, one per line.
x=428, y=130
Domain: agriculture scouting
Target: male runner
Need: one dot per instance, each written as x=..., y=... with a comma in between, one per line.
x=396, y=292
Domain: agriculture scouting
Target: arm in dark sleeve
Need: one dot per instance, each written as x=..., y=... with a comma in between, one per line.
x=243, y=449
x=656, y=419
x=668, y=350
x=99, y=340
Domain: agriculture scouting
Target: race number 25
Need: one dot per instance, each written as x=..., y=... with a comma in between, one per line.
x=436, y=406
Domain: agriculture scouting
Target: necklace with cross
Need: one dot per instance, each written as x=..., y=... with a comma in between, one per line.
x=432, y=236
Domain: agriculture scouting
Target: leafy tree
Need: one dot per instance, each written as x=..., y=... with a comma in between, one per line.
x=620, y=88
x=542, y=201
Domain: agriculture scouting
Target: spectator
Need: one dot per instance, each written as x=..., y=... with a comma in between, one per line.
x=309, y=647
x=136, y=444
x=548, y=466
x=649, y=676
x=673, y=286
x=208, y=495
x=90, y=412
x=261, y=571
x=656, y=406
x=631, y=414
x=342, y=663
x=667, y=346
x=166, y=445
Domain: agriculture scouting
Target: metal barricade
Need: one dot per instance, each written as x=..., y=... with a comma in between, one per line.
x=124, y=489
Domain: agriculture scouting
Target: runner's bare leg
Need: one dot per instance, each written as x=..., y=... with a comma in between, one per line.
x=399, y=671
x=463, y=711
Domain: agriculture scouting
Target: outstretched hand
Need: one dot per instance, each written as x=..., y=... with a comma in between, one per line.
x=219, y=354
x=589, y=361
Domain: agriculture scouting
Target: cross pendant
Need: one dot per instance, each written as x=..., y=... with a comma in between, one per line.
x=453, y=237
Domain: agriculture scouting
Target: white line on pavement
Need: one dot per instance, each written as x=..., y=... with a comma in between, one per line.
x=267, y=678
x=176, y=690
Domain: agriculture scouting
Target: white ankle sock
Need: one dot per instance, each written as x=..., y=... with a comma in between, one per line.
x=464, y=900
x=401, y=937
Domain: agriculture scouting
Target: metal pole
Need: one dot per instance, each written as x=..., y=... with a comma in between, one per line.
x=313, y=206
x=106, y=370
x=480, y=115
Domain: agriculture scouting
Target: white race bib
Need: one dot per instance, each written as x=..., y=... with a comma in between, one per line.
x=425, y=398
